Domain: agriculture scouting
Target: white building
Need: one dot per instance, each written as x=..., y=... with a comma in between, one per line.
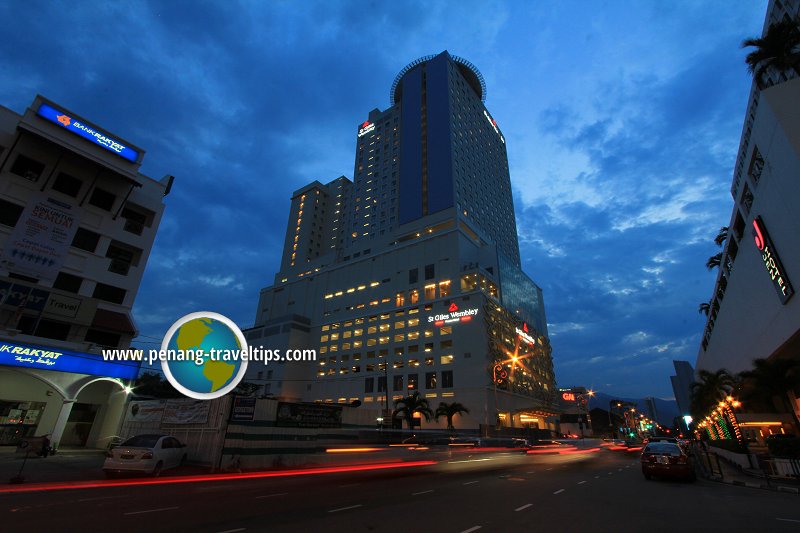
x=753, y=311
x=77, y=222
x=411, y=273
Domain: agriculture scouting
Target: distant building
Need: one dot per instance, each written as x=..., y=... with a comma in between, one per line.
x=77, y=222
x=651, y=408
x=682, y=385
x=408, y=279
x=754, y=312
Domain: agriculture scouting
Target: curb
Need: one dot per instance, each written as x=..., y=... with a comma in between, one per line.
x=736, y=482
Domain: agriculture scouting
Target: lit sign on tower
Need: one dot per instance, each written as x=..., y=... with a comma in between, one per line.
x=366, y=127
x=453, y=315
x=524, y=335
x=771, y=261
x=493, y=122
x=90, y=133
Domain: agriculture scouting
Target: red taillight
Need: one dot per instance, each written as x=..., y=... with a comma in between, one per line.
x=147, y=455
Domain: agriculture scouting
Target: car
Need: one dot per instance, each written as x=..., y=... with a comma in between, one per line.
x=673, y=440
x=667, y=459
x=149, y=454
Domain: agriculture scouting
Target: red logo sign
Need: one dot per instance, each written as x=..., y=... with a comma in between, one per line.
x=64, y=119
x=568, y=396
x=525, y=327
x=453, y=308
x=365, y=124
x=758, y=235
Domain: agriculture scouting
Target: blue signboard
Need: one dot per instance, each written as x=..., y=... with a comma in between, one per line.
x=88, y=132
x=59, y=360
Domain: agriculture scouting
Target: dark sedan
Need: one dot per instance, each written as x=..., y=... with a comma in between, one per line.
x=666, y=459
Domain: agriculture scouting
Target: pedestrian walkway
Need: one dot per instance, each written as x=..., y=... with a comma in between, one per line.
x=66, y=465
x=715, y=468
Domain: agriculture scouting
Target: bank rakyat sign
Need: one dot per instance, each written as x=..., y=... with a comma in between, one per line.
x=90, y=133
x=59, y=360
x=453, y=315
x=771, y=261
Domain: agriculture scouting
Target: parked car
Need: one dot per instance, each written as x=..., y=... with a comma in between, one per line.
x=667, y=459
x=150, y=454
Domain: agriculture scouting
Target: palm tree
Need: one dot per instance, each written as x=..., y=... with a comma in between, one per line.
x=770, y=378
x=408, y=406
x=714, y=261
x=449, y=410
x=705, y=307
x=778, y=50
x=709, y=390
x=719, y=240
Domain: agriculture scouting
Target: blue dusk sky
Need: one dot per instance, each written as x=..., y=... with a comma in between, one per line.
x=622, y=122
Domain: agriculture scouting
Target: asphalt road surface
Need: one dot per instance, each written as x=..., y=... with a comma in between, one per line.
x=603, y=491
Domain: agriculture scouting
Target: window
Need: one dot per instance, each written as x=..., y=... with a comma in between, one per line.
x=430, y=272
x=109, y=293
x=381, y=384
x=369, y=385
x=445, y=330
x=444, y=289
x=413, y=381
x=103, y=338
x=122, y=257
x=50, y=329
x=413, y=276
x=446, y=344
x=447, y=379
x=430, y=380
x=397, y=383
x=28, y=168
x=69, y=185
x=430, y=292
x=400, y=299
x=10, y=213
x=102, y=198
x=86, y=240
x=414, y=295
x=136, y=218
x=445, y=359
x=68, y=282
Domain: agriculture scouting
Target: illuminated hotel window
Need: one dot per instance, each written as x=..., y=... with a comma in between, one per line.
x=345, y=346
x=428, y=333
x=334, y=347
x=445, y=330
x=334, y=336
x=372, y=329
x=374, y=302
x=336, y=325
x=382, y=366
x=444, y=289
x=347, y=323
x=385, y=316
x=359, y=321
x=400, y=337
x=430, y=292
x=357, y=344
x=397, y=364
x=428, y=307
x=429, y=361
x=399, y=313
x=413, y=310
x=445, y=359
x=344, y=370
x=324, y=338
x=445, y=344
x=347, y=334
x=400, y=324
x=370, y=367
x=384, y=327
x=383, y=340
x=413, y=380
x=413, y=322
x=413, y=335
x=332, y=360
x=385, y=300
x=323, y=349
x=414, y=296
x=383, y=352
x=428, y=346
x=400, y=299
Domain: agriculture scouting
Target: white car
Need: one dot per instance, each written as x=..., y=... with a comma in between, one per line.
x=150, y=454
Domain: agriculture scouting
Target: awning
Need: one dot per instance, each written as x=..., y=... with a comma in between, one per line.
x=113, y=321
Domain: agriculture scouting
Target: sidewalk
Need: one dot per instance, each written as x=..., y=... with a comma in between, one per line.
x=66, y=465
x=715, y=468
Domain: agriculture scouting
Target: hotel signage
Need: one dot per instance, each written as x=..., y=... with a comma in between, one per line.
x=494, y=125
x=90, y=133
x=771, y=261
x=453, y=316
x=568, y=396
x=366, y=127
x=524, y=335
x=59, y=360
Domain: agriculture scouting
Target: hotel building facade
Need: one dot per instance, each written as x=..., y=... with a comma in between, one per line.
x=753, y=310
x=77, y=222
x=408, y=278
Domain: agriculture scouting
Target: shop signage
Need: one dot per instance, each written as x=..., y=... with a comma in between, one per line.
x=308, y=415
x=244, y=409
x=524, y=335
x=453, y=315
x=60, y=360
x=771, y=261
x=568, y=396
x=186, y=411
x=91, y=133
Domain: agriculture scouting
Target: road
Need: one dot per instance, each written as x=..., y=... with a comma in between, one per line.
x=603, y=491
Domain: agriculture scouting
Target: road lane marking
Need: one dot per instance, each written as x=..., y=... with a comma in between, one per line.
x=787, y=520
x=597, y=477
x=531, y=472
x=100, y=498
x=271, y=495
x=345, y=508
x=422, y=492
x=470, y=482
x=581, y=482
x=611, y=473
x=559, y=491
x=232, y=530
x=470, y=530
x=150, y=511
x=619, y=469
x=518, y=509
x=548, y=469
x=348, y=485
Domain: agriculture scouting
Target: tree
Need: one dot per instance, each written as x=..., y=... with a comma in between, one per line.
x=408, y=406
x=719, y=240
x=714, y=261
x=705, y=307
x=709, y=390
x=770, y=378
x=778, y=50
x=449, y=410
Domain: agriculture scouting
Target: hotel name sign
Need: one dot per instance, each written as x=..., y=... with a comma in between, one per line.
x=771, y=261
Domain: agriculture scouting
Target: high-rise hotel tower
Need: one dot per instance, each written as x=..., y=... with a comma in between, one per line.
x=409, y=277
